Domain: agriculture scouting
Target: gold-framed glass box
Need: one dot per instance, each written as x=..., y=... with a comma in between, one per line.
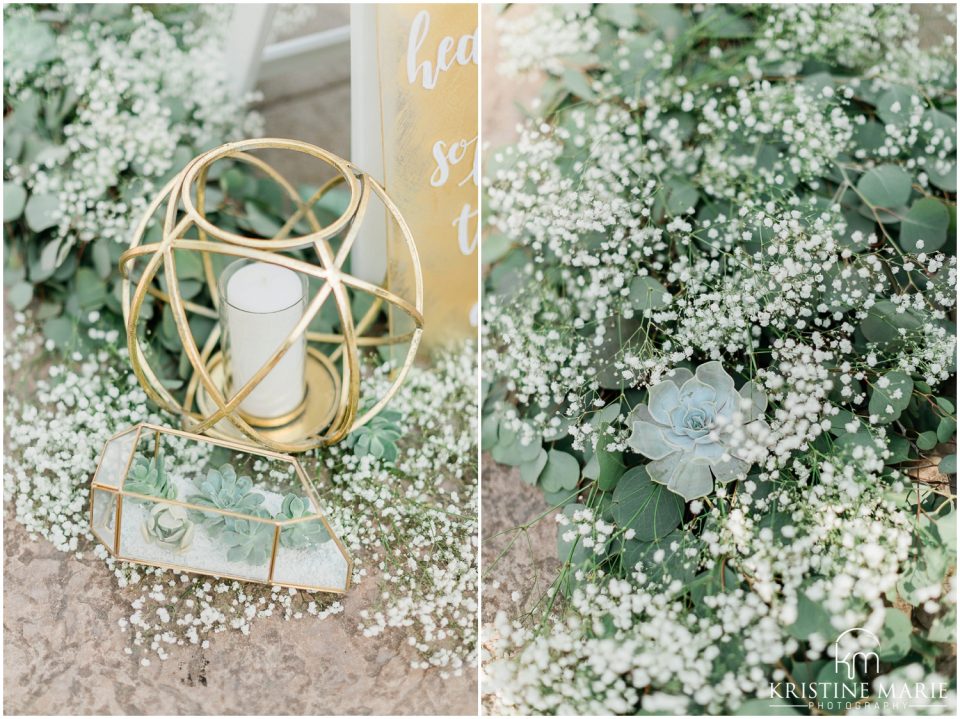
x=172, y=499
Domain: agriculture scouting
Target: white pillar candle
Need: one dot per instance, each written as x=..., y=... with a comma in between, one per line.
x=368, y=260
x=263, y=303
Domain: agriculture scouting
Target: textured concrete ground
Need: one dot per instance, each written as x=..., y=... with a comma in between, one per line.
x=522, y=561
x=63, y=654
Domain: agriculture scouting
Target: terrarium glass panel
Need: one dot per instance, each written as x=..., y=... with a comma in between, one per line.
x=115, y=458
x=221, y=508
x=103, y=517
x=308, y=555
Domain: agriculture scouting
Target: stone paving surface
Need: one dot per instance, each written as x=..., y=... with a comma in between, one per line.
x=63, y=654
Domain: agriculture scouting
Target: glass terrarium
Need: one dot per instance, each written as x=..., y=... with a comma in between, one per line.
x=173, y=499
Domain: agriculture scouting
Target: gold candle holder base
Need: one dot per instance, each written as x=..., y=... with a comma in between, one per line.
x=315, y=413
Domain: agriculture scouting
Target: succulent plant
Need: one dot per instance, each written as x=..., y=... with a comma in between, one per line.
x=223, y=489
x=248, y=540
x=168, y=526
x=675, y=430
x=304, y=533
x=149, y=476
x=378, y=437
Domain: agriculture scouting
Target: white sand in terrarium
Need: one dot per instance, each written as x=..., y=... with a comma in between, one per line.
x=205, y=552
x=320, y=565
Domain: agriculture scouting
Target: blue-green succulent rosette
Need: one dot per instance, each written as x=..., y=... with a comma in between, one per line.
x=678, y=428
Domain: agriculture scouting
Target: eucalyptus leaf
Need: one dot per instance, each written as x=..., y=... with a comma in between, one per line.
x=885, y=320
x=530, y=471
x=885, y=186
x=100, y=252
x=650, y=509
x=60, y=330
x=41, y=211
x=946, y=429
x=948, y=465
x=648, y=294
x=924, y=228
x=20, y=295
x=891, y=395
x=894, y=636
x=561, y=472
x=14, y=199
x=895, y=105
x=577, y=83
x=812, y=618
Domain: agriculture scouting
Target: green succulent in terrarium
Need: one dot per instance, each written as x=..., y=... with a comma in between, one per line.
x=378, y=437
x=223, y=489
x=168, y=526
x=149, y=477
x=248, y=540
x=302, y=534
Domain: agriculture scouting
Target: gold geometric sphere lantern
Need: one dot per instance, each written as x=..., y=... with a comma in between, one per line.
x=265, y=373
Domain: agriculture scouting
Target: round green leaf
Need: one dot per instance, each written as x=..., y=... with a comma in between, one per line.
x=530, y=471
x=946, y=429
x=884, y=320
x=647, y=294
x=885, y=186
x=942, y=174
x=812, y=618
x=59, y=330
x=948, y=465
x=41, y=211
x=681, y=198
x=509, y=450
x=91, y=291
x=895, y=105
x=562, y=471
x=663, y=559
x=650, y=509
x=927, y=440
x=927, y=223
x=20, y=295
x=577, y=83
x=891, y=395
x=14, y=198
x=947, y=529
x=894, y=636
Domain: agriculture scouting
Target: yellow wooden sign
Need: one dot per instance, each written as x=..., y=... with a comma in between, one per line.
x=428, y=75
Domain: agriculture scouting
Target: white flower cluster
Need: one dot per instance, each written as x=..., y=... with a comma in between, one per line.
x=556, y=37
x=598, y=197
x=144, y=103
x=413, y=525
x=620, y=641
